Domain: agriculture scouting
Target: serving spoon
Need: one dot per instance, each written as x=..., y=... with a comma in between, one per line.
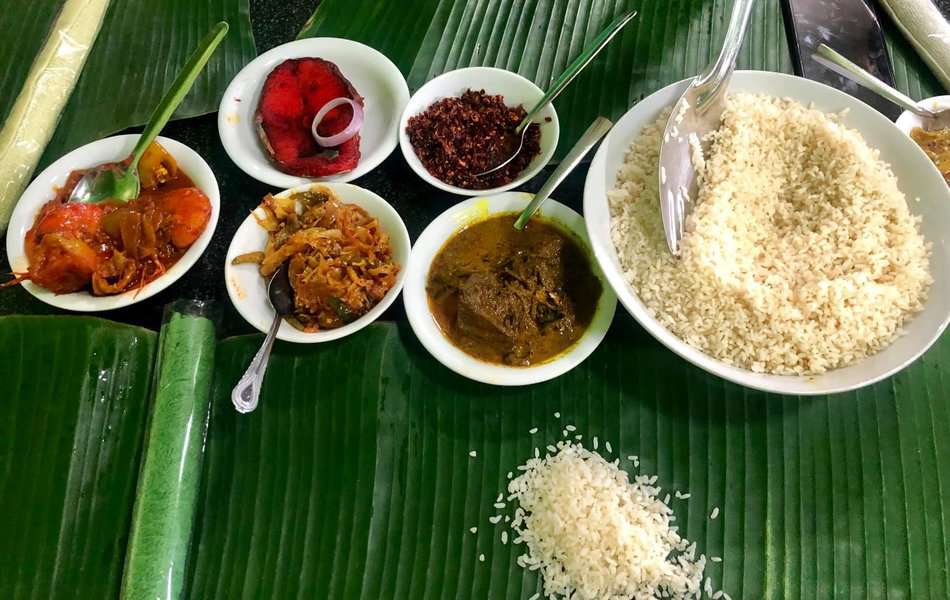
x=597, y=130
x=932, y=119
x=572, y=71
x=280, y=293
x=121, y=181
x=696, y=113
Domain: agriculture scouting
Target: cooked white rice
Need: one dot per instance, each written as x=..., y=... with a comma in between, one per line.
x=800, y=255
x=594, y=534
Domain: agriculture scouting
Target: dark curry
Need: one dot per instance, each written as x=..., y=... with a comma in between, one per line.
x=512, y=297
x=937, y=146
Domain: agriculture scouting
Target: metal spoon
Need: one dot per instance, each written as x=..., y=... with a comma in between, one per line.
x=245, y=394
x=121, y=181
x=696, y=113
x=572, y=71
x=597, y=130
x=932, y=119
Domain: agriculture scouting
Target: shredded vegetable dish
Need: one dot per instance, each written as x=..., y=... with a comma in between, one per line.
x=341, y=263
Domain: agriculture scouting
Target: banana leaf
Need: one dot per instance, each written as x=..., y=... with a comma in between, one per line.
x=668, y=41
x=911, y=74
x=167, y=489
x=353, y=478
x=71, y=431
x=23, y=28
x=139, y=50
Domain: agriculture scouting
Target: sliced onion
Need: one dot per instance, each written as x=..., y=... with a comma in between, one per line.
x=348, y=132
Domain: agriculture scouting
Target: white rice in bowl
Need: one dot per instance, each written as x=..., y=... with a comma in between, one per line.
x=801, y=254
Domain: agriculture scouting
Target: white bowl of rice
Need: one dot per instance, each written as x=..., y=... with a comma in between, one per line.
x=816, y=258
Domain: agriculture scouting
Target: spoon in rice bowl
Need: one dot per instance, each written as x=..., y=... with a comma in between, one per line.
x=696, y=113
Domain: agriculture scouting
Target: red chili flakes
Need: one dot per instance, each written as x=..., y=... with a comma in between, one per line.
x=457, y=138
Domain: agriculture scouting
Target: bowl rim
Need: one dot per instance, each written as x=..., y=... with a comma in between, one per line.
x=262, y=168
x=801, y=385
x=373, y=204
x=117, y=147
x=409, y=153
x=427, y=330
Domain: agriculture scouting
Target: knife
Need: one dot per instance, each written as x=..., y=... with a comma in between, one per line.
x=852, y=28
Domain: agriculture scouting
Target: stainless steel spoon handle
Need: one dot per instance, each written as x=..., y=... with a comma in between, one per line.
x=246, y=393
x=712, y=79
x=844, y=67
x=597, y=130
x=574, y=69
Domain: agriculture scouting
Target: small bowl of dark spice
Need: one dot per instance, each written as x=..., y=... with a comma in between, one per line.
x=462, y=124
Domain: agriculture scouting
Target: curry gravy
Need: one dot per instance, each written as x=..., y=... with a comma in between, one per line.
x=937, y=146
x=512, y=297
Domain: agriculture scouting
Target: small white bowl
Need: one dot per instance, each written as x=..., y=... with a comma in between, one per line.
x=426, y=328
x=513, y=87
x=908, y=120
x=248, y=290
x=374, y=76
x=110, y=149
x=917, y=178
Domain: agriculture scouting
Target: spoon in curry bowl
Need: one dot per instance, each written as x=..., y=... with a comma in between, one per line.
x=280, y=293
x=572, y=71
x=597, y=130
x=932, y=120
x=120, y=181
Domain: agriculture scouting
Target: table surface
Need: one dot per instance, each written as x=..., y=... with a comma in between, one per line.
x=416, y=201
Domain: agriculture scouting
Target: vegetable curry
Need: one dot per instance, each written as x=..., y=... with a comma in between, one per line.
x=112, y=247
x=340, y=260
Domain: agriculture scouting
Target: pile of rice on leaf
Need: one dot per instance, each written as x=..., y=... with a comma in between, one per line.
x=594, y=534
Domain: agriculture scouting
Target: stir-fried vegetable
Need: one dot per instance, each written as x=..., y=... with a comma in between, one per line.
x=341, y=262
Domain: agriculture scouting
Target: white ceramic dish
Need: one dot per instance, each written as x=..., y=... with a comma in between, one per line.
x=110, y=149
x=374, y=76
x=917, y=177
x=515, y=89
x=908, y=120
x=248, y=290
x=427, y=329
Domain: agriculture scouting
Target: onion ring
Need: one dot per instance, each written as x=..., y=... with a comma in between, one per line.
x=356, y=122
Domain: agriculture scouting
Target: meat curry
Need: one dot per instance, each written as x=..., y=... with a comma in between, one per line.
x=512, y=297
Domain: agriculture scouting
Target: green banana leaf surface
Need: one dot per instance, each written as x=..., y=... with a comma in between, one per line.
x=669, y=40
x=353, y=478
x=23, y=28
x=137, y=54
x=72, y=424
